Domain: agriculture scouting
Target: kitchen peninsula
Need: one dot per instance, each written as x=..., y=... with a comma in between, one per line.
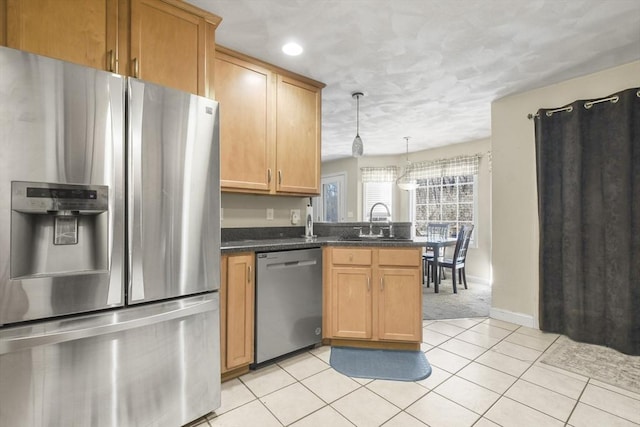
x=371, y=287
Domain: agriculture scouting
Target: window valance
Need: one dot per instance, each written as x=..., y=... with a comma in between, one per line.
x=379, y=174
x=455, y=166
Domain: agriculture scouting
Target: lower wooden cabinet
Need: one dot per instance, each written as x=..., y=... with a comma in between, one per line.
x=237, y=295
x=373, y=294
x=400, y=304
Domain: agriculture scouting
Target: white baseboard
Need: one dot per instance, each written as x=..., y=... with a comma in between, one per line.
x=511, y=317
x=477, y=279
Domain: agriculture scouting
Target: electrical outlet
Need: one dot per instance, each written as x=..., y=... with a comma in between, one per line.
x=295, y=216
x=270, y=214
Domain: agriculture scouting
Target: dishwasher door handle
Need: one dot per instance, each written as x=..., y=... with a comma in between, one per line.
x=291, y=264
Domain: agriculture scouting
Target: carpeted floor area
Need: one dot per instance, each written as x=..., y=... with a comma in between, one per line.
x=472, y=302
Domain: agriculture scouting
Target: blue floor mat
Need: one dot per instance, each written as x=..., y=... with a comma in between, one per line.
x=399, y=365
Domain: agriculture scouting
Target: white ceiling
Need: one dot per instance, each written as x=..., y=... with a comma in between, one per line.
x=429, y=69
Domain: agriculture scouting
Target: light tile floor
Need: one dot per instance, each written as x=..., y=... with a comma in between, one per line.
x=486, y=373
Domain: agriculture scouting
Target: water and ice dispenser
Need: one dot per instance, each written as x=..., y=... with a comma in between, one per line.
x=58, y=229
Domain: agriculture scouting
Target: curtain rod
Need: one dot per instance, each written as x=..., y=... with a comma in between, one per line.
x=587, y=105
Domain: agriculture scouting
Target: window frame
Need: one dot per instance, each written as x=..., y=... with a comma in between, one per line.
x=318, y=202
x=413, y=207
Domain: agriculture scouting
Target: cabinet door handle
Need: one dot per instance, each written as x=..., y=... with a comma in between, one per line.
x=111, y=65
x=280, y=177
x=249, y=274
x=381, y=284
x=368, y=284
x=136, y=68
x=269, y=176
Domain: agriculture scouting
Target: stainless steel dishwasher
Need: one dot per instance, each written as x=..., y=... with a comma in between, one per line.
x=288, y=302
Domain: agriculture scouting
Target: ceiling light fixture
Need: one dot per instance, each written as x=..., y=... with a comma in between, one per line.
x=357, y=149
x=405, y=181
x=292, y=49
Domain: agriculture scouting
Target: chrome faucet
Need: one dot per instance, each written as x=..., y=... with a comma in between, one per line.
x=390, y=224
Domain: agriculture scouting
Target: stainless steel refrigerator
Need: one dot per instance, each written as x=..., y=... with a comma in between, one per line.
x=109, y=248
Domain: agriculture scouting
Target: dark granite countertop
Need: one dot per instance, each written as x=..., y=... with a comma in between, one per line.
x=289, y=243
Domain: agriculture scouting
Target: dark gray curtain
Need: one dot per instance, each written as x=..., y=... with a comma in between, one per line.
x=588, y=164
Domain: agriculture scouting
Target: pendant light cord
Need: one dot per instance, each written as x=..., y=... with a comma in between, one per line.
x=357, y=115
x=406, y=138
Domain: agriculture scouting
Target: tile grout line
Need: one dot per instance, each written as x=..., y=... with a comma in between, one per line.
x=450, y=375
x=520, y=378
x=589, y=383
x=531, y=364
x=504, y=393
x=578, y=400
x=501, y=395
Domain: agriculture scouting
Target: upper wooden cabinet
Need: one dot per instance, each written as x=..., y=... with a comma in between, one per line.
x=270, y=123
x=168, y=42
x=83, y=33
x=246, y=94
x=297, y=137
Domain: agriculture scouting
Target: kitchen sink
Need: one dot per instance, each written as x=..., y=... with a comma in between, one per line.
x=375, y=238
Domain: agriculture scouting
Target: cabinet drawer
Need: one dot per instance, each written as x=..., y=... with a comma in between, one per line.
x=410, y=257
x=351, y=256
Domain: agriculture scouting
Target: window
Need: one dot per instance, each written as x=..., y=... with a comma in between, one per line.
x=447, y=193
x=377, y=186
x=374, y=192
x=450, y=199
x=330, y=206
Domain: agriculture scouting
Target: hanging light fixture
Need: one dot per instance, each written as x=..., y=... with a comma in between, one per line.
x=357, y=149
x=405, y=181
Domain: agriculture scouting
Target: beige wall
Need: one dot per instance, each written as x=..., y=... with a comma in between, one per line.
x=351, y=166
x=514, y=194
x=479, y=257
x=247, y=210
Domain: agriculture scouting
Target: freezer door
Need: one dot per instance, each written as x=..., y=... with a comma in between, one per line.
x=174, y=193
x=61, y=188
x=148, y=365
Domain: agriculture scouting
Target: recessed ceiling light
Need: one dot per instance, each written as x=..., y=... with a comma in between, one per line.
x=292, y=49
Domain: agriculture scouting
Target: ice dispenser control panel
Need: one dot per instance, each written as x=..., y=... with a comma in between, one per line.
x=47, y=198
x=65, y=202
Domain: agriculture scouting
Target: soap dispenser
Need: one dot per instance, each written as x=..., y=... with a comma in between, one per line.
x=308, y=223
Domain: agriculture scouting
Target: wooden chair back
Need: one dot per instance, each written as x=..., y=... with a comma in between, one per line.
x=437, y=231
x=462, y=244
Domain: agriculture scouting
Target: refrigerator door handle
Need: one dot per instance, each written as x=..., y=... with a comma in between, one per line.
x=57, y=336
x=135, y=280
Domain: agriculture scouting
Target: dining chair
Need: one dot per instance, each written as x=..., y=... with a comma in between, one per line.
x=436, y=231
x=457, y=262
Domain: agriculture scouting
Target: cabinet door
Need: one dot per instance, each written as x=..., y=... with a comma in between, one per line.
x=399, y=304
x=297, y=137
x=168, y=45
x=240, y=294
x=81, y=32
x=245, y=94
x=351, y=302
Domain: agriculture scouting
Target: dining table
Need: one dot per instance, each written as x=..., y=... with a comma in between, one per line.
x=435, y=244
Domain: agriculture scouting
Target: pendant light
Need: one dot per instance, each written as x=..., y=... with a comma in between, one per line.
x=357, y=149
x=405, y=181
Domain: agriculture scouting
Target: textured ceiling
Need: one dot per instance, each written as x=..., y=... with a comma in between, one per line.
x=429, y=69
